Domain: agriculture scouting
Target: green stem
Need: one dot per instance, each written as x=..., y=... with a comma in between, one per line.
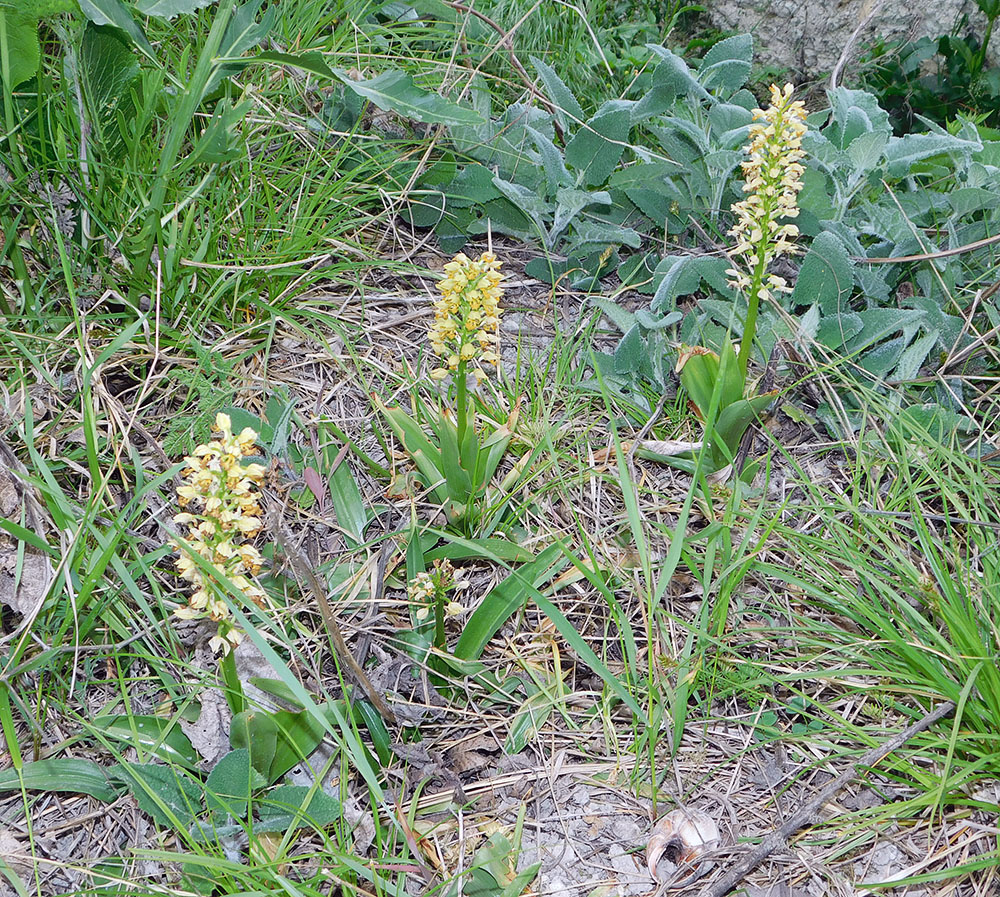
x=979, y=60
x=753, y=306
x=439, y=638
x=462, y=401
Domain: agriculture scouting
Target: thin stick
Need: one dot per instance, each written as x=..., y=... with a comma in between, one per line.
x=307, y=577
x=851, y=41
x=810, y=812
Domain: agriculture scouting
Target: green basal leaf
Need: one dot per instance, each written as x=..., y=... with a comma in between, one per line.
x=70, y=775
x=160, y=737
x=299, y=734
x=705, y=374
x=290, y=807
x=231, y=784
x=348, y=504
x=492, y=548
x=256, y=731
x=504, y=599
x=734, y=420
x=369, y=717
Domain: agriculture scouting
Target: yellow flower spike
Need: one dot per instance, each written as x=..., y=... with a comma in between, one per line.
x=467, y=315
x=220, y=492
x=772, y=181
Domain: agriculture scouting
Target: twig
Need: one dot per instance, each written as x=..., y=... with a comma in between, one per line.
x=851, y=41
x=306, y=576
x=928, y=256
x=810, y=812
x=505, y=41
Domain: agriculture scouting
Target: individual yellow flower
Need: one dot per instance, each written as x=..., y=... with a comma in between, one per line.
x=467, y=315
x=221, y=492
x=772, y=181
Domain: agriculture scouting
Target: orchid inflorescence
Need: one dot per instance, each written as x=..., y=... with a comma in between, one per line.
x=467, y=315
x=430, y=587
x=221, y=492
x=772, y=181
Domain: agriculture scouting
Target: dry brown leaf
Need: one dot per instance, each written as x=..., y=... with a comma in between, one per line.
x=25, y=574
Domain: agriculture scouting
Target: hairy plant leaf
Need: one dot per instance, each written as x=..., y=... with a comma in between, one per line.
x=673, y=77
x=396, y=91
x=726, y=66
x=170, y=797
x=231, y=783
x=853, y=112
x=826, y=277
x=116, y=13
x=290, y=807
x=681, y=275
x=597, y=146
x=567, y=109
x=169, y=9
x=903, y=152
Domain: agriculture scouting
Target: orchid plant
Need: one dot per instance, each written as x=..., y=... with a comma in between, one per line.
x=716, y=383
x=457, y=459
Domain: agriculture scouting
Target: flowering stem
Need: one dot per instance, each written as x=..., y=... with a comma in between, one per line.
x=753, y=306
x=439, y=636
x=462, y=401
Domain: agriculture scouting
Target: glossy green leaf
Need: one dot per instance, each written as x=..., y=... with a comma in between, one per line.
x=242, y=33
x=530, y=716
x=735, y=418
x=348, y=503
x=160, y=737
x=492, y=548
x=69, y=774
x=255, y=731
x=299, y=734
x=369, y=717
x=505, y=598
x=704, y=375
